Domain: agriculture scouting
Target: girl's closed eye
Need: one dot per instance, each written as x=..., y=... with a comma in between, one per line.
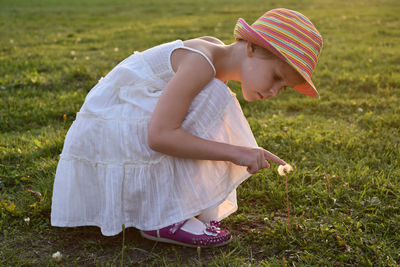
x=277, y=77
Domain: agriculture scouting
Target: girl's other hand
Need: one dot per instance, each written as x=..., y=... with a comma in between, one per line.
x=255, y=159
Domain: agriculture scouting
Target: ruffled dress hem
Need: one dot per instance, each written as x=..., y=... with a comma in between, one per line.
x=58, y=223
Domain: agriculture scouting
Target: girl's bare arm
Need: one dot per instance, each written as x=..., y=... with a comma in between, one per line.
x=165, y=132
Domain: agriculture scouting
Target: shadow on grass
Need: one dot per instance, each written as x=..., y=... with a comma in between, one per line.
x=86, y=245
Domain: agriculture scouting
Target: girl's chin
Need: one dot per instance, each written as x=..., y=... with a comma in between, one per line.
x=250, y=99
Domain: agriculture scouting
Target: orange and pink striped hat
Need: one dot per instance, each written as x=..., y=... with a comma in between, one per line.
x=289, y=35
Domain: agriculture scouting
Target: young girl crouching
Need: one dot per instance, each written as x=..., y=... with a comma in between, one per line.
x=161, y=143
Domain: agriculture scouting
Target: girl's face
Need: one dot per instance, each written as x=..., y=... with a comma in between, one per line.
x=264, y=78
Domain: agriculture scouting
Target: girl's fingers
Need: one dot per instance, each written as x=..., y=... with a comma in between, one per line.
x=269, y=156
x=260, y=161
x=267, y=164
x=263, y=163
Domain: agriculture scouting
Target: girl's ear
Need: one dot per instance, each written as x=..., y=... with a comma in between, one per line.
x=250, y=49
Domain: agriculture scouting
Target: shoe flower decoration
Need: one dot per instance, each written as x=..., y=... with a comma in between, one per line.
x=213, y=228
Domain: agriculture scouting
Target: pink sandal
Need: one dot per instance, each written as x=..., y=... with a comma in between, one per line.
x=212, y=235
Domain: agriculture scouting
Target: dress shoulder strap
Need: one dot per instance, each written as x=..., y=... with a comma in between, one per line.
x=199, y=52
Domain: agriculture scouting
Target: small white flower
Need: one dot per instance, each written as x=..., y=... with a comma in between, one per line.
x=87, y=58
x=284, y=169
x=27, y=220
x=73, y=53
x=360, y=110
x=11, y=41
x=116, y=49
x=57, y=256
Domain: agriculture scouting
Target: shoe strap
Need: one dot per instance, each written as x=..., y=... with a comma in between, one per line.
x=176, y=226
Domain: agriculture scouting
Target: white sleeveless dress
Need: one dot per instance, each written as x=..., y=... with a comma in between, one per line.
x=107, y=174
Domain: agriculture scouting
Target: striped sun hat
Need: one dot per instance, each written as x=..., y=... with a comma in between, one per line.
x=289, y=35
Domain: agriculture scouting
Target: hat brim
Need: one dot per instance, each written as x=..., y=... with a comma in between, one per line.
x=308, y=88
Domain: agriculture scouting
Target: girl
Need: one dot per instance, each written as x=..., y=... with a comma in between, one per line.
x=161, y=143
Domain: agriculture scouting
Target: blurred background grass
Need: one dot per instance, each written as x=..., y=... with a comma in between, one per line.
x=53, y=52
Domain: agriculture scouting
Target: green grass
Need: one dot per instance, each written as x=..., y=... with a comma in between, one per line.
x=53, y=52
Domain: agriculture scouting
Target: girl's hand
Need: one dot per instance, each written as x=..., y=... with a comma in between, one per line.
x=255, y=159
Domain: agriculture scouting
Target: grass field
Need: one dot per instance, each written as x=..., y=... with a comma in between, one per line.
x=53, y=52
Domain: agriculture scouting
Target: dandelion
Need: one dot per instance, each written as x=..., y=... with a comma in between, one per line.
x=87, y=58
x=284, y=169
x=73, y=53
x=57, y=256
x=116, y=49
x=27, y=220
